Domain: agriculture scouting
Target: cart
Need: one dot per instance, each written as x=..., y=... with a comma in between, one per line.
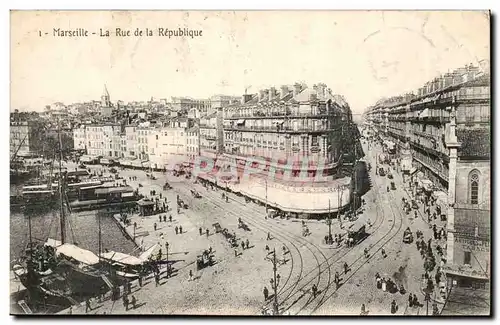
x=195, y=194
x=217, y=227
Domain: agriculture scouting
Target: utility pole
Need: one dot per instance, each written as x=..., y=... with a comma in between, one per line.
x=329, y=223
x=266, y=194
x=61, y=218
x=168, y=265
x=275, y=281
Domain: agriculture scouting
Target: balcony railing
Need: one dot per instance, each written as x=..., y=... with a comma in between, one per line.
x=274, y=129
x=288, y=114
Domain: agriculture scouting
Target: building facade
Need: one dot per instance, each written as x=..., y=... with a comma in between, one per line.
x=295, y=135
x=167, y=147
x=192, y=142
x=446, y=127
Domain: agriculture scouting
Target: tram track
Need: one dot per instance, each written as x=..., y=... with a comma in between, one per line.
x=288, y=292
x=260, y=225
x=374, y=248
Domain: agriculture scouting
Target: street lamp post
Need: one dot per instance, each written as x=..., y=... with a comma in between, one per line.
x=275, y=283
x=266, y=195
x=168, y=265
x=329, y=223
x=135, y=226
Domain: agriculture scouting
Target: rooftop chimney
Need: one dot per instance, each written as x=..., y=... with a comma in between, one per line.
x=283, y=91
x=297, y=88
x=272, y=92
x=261, y=95
x=321, y=89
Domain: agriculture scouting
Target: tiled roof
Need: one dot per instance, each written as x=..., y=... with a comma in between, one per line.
x=475, y=142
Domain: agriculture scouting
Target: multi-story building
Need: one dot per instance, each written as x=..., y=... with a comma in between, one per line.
x=446, y=127
x=220, y=101
x=192, y=141
x=186, y=103
x=101, y=140
x=79, y=139
x=28, y=138
x=131, y=151
x=167, y=146
x=143, y=132
x=23, y=138
x=296, y=137
x=208, y=144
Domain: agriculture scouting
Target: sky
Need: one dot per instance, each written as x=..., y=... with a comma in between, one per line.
x=363, y=55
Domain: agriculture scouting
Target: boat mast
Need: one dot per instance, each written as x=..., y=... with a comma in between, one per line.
x=61, y=201
x=100, y=244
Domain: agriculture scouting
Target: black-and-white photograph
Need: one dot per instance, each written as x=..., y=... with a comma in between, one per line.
x=250, y=163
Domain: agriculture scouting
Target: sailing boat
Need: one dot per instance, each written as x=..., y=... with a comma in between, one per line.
x=60, y=269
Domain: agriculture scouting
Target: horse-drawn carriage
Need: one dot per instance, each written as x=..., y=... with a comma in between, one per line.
x=407, y=236
x=229, y=237
x=243, y=225
x=196, y=194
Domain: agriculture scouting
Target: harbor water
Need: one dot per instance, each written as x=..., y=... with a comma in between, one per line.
x=82, y=229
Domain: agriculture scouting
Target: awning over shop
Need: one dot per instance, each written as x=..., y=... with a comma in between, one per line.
x=424, y=113
x=426, y=184
x=441, y=198
x=239, y=122
x=106, y=161
x=87, y=158
x=125, y=162
x=146, y=164
x=413, y=170
x=136, y=163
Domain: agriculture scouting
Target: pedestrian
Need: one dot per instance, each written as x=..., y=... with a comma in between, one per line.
x=394, y=307
x=129, y=287
x=266, y=293
x=159, y=217
x=87, y=305
x=415, y=301
x=155, y=226
x=383, y=253
x=268, y=236
x=435, y=310
x=416, y=215
x=314, y=290
x=363, y=310
x=384, y=285
x=247, y=243
x=366, y=252
x=176, y=230
x=134, y=301
x=157, y=279
x=235, y=253
x=410, y=300
x=180, y=229
x=125, y=302
x=346, y=268
x=243, y=245
x=207, y=232
x=169, y=217
x=164, y=218
x=201, y=231
x=140, y=281
x=190, y=275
